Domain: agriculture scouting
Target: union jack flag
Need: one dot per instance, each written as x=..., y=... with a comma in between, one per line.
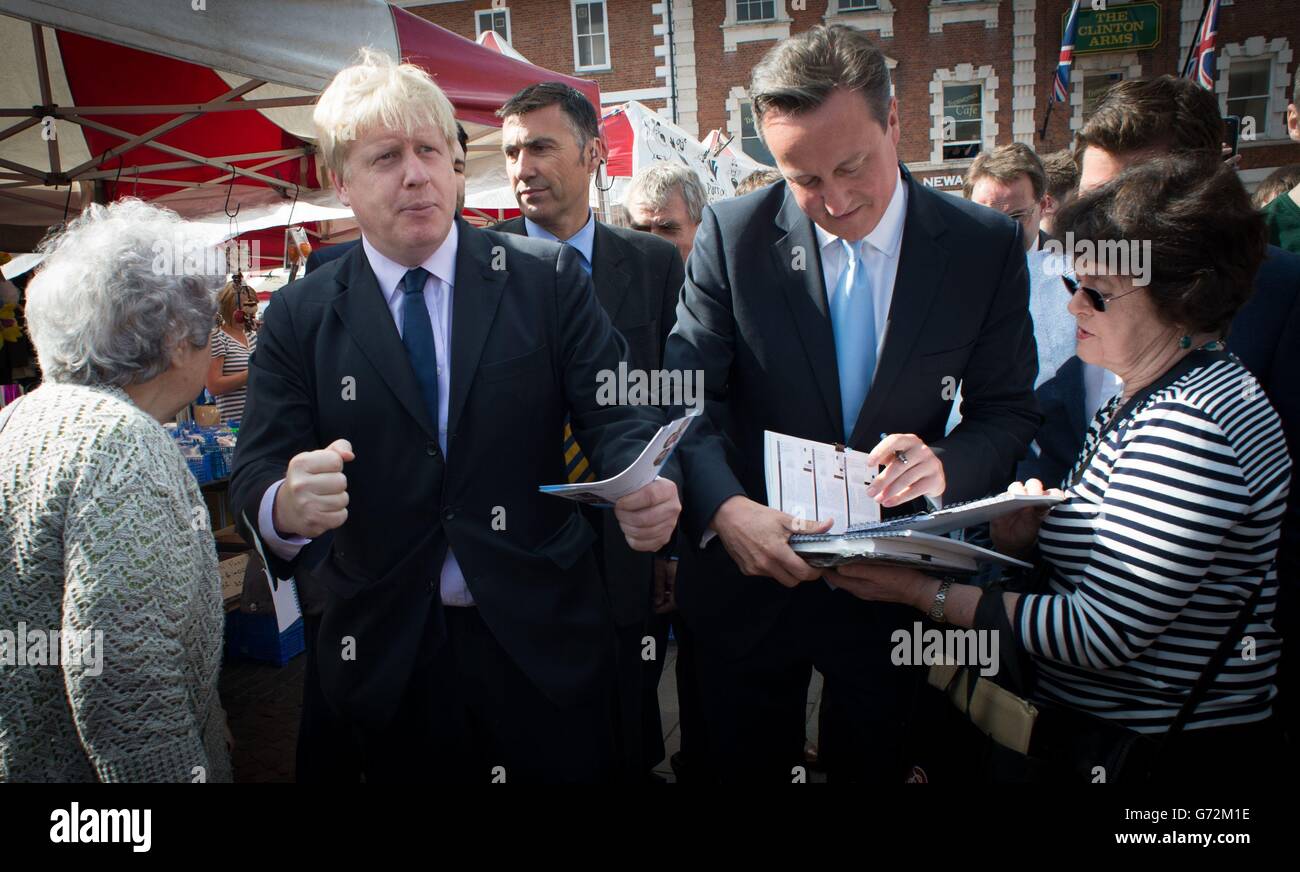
x=1061, y=83
x=1201, y=67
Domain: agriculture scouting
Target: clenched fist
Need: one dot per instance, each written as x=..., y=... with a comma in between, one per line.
x=648, y=516
x=314, y=496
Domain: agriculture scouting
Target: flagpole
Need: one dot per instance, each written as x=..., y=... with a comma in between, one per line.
x=1068, y=36
x=1196, y=38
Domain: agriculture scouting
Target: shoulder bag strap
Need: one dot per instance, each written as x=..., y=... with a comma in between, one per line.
x=1215, y=664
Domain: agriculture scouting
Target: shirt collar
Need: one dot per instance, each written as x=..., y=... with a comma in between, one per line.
x=389, y=273
x=888, y=233
x=584, y=240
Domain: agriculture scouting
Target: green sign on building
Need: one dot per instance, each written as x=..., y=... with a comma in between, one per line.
x=1119, y=28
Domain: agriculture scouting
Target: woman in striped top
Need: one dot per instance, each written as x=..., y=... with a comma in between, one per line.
x=233, y=343
x=1171, y=517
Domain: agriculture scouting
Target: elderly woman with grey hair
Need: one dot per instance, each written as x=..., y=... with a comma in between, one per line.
x=667, y=200
x=110, y=600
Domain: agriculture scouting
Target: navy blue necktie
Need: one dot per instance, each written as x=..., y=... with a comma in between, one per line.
x=417, y=336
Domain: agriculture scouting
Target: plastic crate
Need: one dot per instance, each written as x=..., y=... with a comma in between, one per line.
x=199, y=466
x=254, y=637
x=215, y=461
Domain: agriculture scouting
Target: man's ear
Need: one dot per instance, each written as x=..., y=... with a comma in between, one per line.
x=340, y=187
x=599, y=152
x=1293, y=122
x=1049, y=205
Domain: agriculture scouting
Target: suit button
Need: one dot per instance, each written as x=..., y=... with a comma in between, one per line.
x=432, y=449
x=448, y=514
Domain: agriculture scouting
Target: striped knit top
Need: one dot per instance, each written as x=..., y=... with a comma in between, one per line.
x=1172, y=525
x=231, y=404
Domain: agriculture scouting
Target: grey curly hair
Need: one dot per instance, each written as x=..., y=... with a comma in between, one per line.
x=118, y=290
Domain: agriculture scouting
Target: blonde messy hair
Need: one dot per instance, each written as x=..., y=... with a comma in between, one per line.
x=377, y=91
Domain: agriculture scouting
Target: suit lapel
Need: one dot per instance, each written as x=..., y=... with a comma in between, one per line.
x=365, y=314
x=797, y=260
x=921, y=262
x=609, y=270
x=474, y=306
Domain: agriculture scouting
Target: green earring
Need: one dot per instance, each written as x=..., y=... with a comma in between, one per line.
x=1185, y=342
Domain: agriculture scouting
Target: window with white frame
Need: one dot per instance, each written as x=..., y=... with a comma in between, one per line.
x=497, y=20
x=866, y=15
x=749, y=11
x=754, y=21
x=963, y=120
x=590, y=35
x=1255, y=82
x=945, y=12
x=1249, y=86
x=750, y=142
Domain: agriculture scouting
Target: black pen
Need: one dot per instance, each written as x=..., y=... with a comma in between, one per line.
x=902, y=457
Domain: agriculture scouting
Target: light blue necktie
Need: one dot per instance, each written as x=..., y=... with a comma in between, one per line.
x=853, y=319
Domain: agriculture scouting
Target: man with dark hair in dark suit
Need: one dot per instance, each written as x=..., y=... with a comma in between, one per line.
x=841, y=304
x=552, y=143
x=405, y=403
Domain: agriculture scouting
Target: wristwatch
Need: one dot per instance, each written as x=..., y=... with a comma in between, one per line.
x=940, y=599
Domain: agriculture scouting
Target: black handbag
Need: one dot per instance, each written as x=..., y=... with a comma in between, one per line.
x=1071, y=745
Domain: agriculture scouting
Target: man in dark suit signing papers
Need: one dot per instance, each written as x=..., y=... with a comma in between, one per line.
x=404, y=405
x=843, y=303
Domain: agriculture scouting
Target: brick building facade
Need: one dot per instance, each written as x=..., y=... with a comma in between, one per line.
x=968, y=74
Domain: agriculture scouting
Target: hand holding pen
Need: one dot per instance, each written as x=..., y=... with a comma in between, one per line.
x=912, y=470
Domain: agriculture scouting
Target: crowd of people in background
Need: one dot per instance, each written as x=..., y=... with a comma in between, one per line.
x=1157, y=401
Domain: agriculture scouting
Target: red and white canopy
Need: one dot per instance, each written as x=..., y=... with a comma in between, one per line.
x=175, y=101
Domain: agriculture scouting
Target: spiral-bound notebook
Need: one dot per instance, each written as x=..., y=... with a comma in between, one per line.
x=957, y=516
x=821, y=482
x=909, y=548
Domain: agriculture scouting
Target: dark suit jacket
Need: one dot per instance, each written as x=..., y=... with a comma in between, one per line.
x=1265, y=335
x=638, y=277
x=759, y=327
x=527, y=343
x=1062, y=401
x=321, y=256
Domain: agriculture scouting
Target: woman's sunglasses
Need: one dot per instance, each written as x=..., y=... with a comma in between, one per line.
x=1095, y=297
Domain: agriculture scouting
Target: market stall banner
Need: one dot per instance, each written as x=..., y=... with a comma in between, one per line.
x=638, y=137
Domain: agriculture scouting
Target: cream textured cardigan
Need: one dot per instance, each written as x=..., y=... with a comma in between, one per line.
x=103, y=531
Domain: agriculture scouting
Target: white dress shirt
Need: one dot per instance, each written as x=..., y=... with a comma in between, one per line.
x=879, y=257
x=438, y=292
x=1099, y=386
